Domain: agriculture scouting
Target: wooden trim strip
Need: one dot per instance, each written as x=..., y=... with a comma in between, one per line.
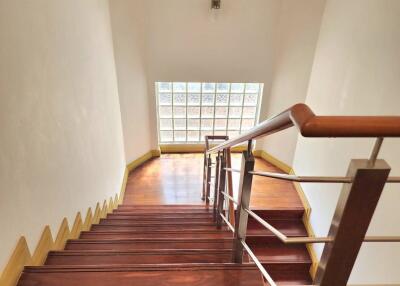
x=310, y=125
x=19, y=258
x=62, y=235
x=22, y=256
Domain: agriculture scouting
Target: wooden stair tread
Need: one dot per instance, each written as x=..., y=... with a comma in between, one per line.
x=159, y=216
x=143, y=275
x=174, y=245
x=161, y=233
x=130, y=222
x=125, y=244
x=148, y=256
x=279, y=253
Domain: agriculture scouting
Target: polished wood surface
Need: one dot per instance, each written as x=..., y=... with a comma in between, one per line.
x=164, y=234
x=311, y=125
x=177, y=179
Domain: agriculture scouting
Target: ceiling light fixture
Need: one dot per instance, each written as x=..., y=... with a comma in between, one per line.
x=215, y=4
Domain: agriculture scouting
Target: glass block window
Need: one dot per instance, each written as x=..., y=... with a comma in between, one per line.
x=187, y=111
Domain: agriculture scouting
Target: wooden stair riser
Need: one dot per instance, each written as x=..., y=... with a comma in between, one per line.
x=164, y=277
x=149, y=244
x=154, y=257
x=127, y=234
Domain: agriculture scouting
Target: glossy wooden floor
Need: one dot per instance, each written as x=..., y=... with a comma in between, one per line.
x=177, y=179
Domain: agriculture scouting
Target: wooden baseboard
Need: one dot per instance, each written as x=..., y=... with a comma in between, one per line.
x=21, y=256
x=192, y=148
x=274, y=161
x=307, y=208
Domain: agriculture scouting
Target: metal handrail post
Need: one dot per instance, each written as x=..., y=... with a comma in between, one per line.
x=217, y=175
x=221, y=189
x=244, y=201
x=353, y=214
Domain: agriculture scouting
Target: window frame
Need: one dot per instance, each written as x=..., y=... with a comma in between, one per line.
x=201, y=131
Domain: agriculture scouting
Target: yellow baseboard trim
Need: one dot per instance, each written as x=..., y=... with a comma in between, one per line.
x=44, y=245
x=20, y=257
x=192, y=148
x=307, y=208
x=274, y=161
x=139, y=161
x=62, y=235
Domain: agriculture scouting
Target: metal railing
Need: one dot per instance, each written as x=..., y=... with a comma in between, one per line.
x=354, y=209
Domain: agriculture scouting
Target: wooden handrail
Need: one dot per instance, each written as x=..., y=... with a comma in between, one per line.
x=311, y=125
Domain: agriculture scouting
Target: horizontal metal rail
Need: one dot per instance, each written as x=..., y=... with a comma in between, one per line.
x=230, y=197
x=302, y=179
x=393, y=180
x=227, y=222
x=258, y=263
x=311, y=125
x=232, y=170
x=312, y=179
x=291, y=240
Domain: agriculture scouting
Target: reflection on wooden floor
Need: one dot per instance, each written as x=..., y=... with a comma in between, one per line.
x=177, y=179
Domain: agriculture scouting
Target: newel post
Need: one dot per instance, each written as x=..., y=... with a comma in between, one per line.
x=353, y=214
x=244, y=202
x=221, y=188
x=217, y=177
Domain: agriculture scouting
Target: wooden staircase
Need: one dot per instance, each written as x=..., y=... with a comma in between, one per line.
x=172, y=245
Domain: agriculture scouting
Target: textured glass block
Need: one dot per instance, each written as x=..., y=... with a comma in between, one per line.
x=165, y=98
x=165, y=124
x=221, y=99
x=235, y=112
x=252, y=87
x=193, y=124
x=250, y=99
x=207, y=112
x=249, y=112
x=180, y=124
x=179, y=112
x=222, y=87
x=206, y=124
x=221, y=112
x=165, y=111
x=236, y=99
x=166, y=136
x=208, y=99
x=179, y=86
x=208, y=87
x=179, y=99
x=234, y=124
x=220, y=132
x=237, y=87
x=194, y=87
x=180, y=135
x=193, y=112
x=164, y=86
x=247, y=124
x=193, y=136
x=233, y=134
x=193, y=98
x=220, y=124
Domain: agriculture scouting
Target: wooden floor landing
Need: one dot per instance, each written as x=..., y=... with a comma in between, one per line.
x=177, y=179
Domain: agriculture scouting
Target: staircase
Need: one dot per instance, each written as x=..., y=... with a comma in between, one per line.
x=171, y=245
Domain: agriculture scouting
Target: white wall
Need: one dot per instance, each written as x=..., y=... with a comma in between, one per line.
x=298, y=29
x=356, y=71
x=128, y=26
x=186, y=41
x=61, y=147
